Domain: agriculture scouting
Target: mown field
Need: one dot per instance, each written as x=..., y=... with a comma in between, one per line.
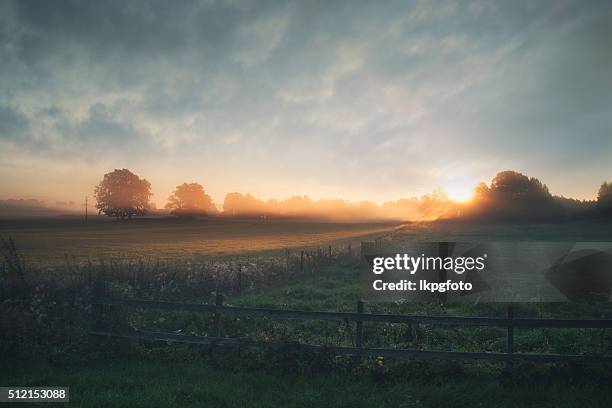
x=47, y=242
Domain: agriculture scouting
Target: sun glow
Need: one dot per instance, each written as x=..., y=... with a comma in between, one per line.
x=460, y=193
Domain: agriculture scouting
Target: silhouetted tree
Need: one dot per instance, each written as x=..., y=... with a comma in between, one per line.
x=481, y=191
x=514, y=196
x=518, y=185
x=122, y=194
x=190, y=199
x=604, y=199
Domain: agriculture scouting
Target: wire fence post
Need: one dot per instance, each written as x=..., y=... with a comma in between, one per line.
x=217, y=319
x=98, y=292
x=443, y=251
x=359, y=331
x=510, y=334
x=302, y=261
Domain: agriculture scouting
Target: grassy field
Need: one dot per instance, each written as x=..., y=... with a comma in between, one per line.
x=150, y=384
x=337, y=288
x=46, y=242
x=162, y=375
x=582, y=230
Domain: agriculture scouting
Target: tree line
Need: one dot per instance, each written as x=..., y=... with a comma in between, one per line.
x=510, y=196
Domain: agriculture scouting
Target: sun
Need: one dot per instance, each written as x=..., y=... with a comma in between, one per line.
x=460, y=193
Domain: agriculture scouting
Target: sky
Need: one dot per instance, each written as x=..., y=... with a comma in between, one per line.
x=333, y=99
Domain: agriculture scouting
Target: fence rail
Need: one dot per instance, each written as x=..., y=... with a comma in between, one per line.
x=364, y=317
x=218, y=309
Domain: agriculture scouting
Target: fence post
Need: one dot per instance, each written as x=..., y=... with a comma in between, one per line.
x=99, y=292
x=359, y=331
x=350, y=252
x=217, y=319
x=443, y=251
x=330, y=252
x=302, y=261
x=510, y=334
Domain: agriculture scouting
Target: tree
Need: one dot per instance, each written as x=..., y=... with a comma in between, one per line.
x=604, y=198
x=517, y=185
x=481, y=191
x=122, y=194
x=190, y=199
x=513, y=196
x=238, y=204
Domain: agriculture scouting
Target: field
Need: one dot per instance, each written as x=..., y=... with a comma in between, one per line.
x=163, y=375
x=575, y=231
x=47, y=242
x=150, y=384
x=52, y=350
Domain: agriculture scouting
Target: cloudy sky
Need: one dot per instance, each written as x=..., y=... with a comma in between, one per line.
x=359, y=100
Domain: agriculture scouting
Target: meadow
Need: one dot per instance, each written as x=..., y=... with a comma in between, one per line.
x=123, y=373
x=49, y=345
x=47, y=242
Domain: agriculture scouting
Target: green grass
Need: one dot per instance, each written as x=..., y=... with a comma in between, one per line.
x=337, y=288
x=175, y=376
x=175, y=384
x=332, y=288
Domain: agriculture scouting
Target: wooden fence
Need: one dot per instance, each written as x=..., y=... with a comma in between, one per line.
x=359, y=317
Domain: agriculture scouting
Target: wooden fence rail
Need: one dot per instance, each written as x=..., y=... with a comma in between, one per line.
x=218, y=309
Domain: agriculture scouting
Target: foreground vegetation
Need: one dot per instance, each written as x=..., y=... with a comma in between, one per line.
x=45, y=317
x=172, y=383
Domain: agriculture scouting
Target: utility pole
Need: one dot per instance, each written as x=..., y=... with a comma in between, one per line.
x=86, y=209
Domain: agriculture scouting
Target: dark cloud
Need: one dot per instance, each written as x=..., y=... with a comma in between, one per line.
x=273, y=85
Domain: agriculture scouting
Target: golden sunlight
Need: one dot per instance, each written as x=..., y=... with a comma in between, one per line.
x=460, y=192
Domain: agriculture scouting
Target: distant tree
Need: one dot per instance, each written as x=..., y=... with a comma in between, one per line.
x=437, y=205
x=604, y=199
x=513, y=196
x=190, y=199
x=122, y=194
x=514, y=184
x=481, y=191
x=239, y=204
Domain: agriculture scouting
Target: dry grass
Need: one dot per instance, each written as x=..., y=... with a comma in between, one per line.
x=47, y=242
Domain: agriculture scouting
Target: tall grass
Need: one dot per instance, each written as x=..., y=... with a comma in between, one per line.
x=47, y=311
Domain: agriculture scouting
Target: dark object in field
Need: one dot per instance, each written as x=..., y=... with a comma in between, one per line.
x=584, y=275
